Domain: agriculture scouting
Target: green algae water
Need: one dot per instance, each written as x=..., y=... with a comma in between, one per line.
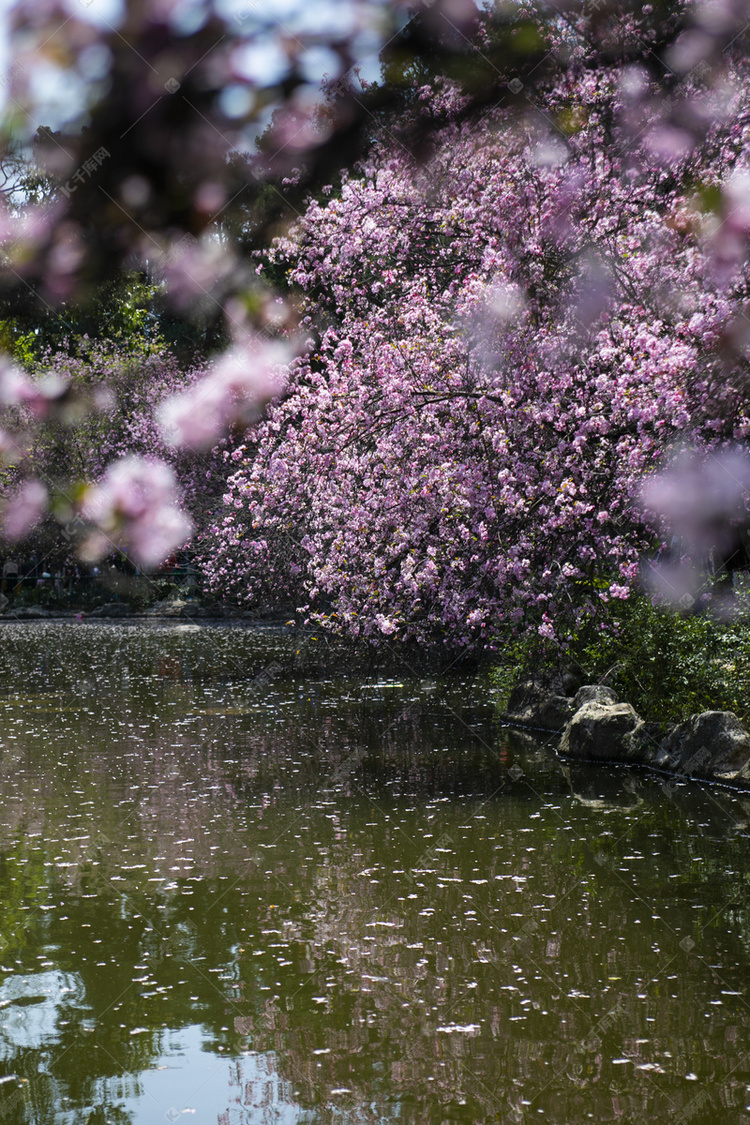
x=236, y=890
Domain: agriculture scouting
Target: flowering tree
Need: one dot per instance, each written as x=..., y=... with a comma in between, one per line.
x=170, y=97
x=504, y=341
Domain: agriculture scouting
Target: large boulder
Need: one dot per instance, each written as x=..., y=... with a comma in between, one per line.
x=594, y=693
x=602, y=731
x=536, y=705
x=712, y=745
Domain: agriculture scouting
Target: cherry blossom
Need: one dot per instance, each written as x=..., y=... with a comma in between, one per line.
x=24, y=510
x=136, y=503
x=504, y=347
x=523, y=280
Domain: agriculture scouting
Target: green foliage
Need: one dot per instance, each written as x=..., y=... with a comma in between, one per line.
x=668, y=665
x=519, y=658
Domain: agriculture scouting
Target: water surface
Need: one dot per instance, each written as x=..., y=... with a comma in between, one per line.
x=236, y=891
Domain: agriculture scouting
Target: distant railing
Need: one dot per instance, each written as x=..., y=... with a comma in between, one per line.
x=33, y=583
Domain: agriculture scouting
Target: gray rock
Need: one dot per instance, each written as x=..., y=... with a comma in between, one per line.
x=534, y=704
x=712, y=745
x=596, y=727
x=28, y=612
x=605, y=732
x=167, y=607
x=555, y=713
x=526, y=693
x=112, y=609
x=594, y=693
x=178, y=607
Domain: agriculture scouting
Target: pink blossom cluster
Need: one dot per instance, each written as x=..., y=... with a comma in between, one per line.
x=232, y=393
x=135, y=503
x=506, y=341
x=515, y=313
x=130, y=488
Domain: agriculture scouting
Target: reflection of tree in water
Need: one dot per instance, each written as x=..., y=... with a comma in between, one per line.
x=382, y=985
x=255, y=1091
x=350, y=869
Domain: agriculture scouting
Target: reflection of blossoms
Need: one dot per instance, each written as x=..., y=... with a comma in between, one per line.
x=136, y=502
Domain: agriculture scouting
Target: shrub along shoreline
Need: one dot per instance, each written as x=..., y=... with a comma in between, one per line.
x=686, y=679
x=667, y=665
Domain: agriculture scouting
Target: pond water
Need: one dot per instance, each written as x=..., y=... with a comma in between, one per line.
x=236, y=890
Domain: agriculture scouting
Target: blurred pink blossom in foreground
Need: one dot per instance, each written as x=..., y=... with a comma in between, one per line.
x=702, y=500
x=24, y=510
x=676, y=581
x=136, y=503
x=242, y=380
x=17, y=389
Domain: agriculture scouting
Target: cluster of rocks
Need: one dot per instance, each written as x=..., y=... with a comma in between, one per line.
x=596, y=727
